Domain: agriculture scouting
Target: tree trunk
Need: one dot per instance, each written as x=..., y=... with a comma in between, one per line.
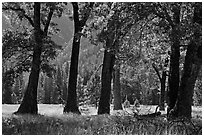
x=163, y=86
x=174, y=78
x=47, y=98
x=7, y=87
x=117, y=105
x=104, y=103
x=65, y=89
x=29, y=103
x=65, y=85
x=192, y=66
x=173, y=75
x=191, y=71
x=71, y=104
x=162, y=80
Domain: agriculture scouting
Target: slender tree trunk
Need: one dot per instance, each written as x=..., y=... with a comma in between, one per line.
x=71, y=104
x=47, y=98
x=163, y=89
x=104, y=103
x=29, y=103
x=65, y=85
x=163, y=85
x=117, y=105
x=65, y=88
x=162, y=80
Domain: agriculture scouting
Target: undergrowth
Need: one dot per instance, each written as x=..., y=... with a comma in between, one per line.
x=72, y=124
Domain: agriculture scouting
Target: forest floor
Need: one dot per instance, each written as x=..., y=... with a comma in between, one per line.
x=51, y=120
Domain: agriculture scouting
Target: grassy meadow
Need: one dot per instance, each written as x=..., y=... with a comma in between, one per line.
x=51, y=121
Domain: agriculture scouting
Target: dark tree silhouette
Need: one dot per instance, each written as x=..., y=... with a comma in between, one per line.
x=29, y=103
x=71, y=103
x=192, y=66
x=107, y=69
x=174, y=78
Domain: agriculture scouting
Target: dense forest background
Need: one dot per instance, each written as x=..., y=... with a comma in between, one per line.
x=143, y=53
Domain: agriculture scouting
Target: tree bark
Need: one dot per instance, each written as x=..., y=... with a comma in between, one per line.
x=174, y=73
x=117, y=105
x=163, y=90
x=192, y=66
x=29, y=103
x=191, y=71
x=108, y=62
x=174, y=78
x=71, y=103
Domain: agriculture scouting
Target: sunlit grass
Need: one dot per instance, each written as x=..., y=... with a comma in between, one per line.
x=72, y=124
x=57, y=123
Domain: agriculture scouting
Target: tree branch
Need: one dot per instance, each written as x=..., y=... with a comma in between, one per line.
x=85, y=18
x=157, y=71
x=162, y=15
x=48, y=20
x=76, y=14
x=21, y=10
x=22, y=62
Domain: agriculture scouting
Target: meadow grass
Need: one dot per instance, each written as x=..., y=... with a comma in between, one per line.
x=73, y=124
